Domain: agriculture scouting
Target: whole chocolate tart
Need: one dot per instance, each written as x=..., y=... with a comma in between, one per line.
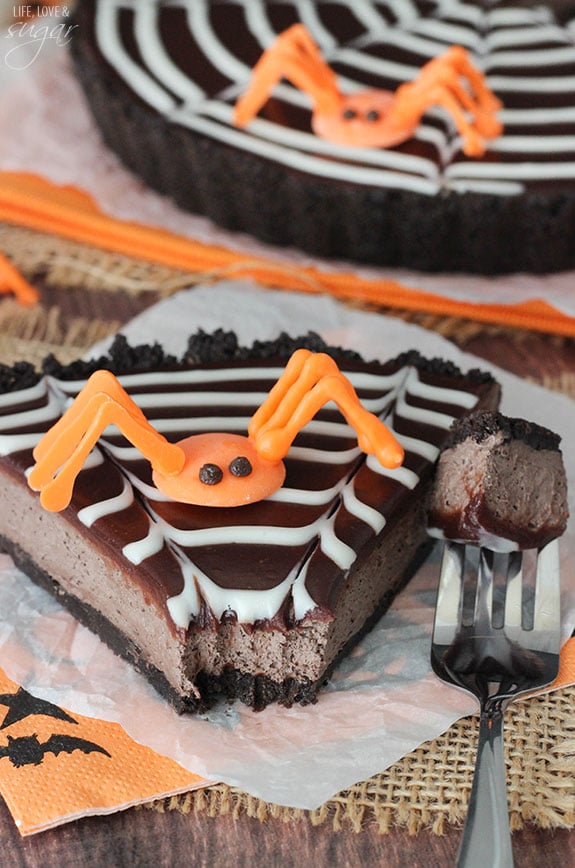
x=256, y=602
x=162, y=80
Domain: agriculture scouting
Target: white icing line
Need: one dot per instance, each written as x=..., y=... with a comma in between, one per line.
x=370, y=516
x=10, y=443
x=50, y=411
x=519, y=17
x=303, y=453
x=151, y=544
x=535, y=145
x=248, y=605
x=148, y=491
x=303, y=602
x=494, y=188
x=186, y=604
x=532, y=84
x=215, y=51
x=418, y=447
x=446, y=33
x=109, y=42
x=414, y=386
x=519, y=38
x=24, y=396
x=89, y=514
x=403, y=475
x=258, y=23
x=536, y=116
x=243, y=534
x=156, y=57
x=304, y=497
x=419, y=414
x=307, y=14
x=544, y=58
x=525, y=170
x=198, y=399
x=335, y=549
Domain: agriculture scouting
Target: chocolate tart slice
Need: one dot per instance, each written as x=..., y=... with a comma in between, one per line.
x=255, y=602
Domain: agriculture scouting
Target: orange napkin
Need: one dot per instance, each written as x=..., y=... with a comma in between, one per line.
x=56, y=766
x=31, y=201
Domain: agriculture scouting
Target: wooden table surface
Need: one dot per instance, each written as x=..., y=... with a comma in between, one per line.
x=143, y=837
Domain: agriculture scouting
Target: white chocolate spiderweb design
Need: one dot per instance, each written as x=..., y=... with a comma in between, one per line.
x=247, y=561
x=529, y=60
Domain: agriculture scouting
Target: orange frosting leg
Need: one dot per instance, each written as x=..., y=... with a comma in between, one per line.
x=472, y=106
x=311, y=381
x=61, y=453
x=12, y=281
x=283, y=399
x=293, y=56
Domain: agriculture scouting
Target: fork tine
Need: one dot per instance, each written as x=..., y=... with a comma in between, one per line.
x=547, y=610
x=484, y=593
x=513, y=591
x=449, y=594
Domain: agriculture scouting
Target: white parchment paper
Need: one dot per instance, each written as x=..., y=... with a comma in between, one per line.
x=46, y=128
x=383, y=701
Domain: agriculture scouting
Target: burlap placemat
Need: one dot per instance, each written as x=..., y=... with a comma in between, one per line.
x=88, y=294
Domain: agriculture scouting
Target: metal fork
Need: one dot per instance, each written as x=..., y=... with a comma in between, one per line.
x=497, y=655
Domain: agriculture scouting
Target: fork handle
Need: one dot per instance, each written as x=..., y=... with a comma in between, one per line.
x=487, y=836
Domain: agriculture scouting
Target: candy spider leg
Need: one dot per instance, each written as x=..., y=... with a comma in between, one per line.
x=100, y=381
x=475, y=97
x=318, y=381
x=459, y=59
x=62, y=454
x=298, y=378
x=12, y=281
x=484, y=121
x=441, y=82
x=422, y=97
x=294, y=56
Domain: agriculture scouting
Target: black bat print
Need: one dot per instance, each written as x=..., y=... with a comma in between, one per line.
x=22, y=704
x=28, y=751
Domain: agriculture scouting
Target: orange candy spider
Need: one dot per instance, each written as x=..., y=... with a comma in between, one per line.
x=375, y=118
x=216, y=469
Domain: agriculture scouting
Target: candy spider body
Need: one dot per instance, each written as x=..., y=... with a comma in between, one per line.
x=375, y=118
x=213, y=469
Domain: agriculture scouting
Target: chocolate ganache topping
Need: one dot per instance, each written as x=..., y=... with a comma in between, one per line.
x=288, y=554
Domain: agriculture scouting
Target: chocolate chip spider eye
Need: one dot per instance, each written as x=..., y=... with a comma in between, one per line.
x=349, y=114
x=240, y=466
x=372, y=115
x=210, y=474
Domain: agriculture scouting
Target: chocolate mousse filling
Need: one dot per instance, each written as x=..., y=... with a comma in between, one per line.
x=500, y=482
